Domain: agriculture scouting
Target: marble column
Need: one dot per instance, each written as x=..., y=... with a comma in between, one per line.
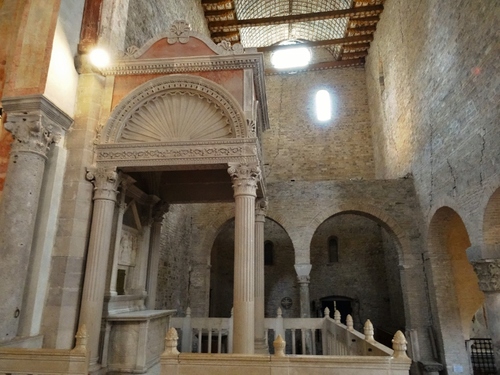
x=488, y=273
x=32, y=133
x=260, y=334
x=159, y=211
x=244, y=178
x=303, y=271
x=106, y=181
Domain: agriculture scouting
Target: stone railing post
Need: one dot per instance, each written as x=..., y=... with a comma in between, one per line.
x=35, y=124
x=260, y=218
x=368, y=331
x=399, y=346
x=245, y=178
x=187, y=333
x=488, y=273
x=279, y=346
x=106, y=181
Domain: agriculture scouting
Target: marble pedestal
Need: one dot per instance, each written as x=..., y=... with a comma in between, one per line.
x=135, y=340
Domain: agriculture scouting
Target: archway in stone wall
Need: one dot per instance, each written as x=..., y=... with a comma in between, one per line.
x=455, y=290
x=491, y=222
x=354, y=256
x=280, y=277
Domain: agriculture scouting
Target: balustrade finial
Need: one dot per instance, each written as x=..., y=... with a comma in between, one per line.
x=280, y=312
x=188, y=312
x=171, y=342
x=399, y=345
x=279, y=346
x=368, y=331
x=327, y=312
x=336, y=316
x=349, y=323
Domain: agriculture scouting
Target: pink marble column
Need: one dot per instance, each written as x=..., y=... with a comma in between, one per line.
x=260, y=334
x=106, y=181
x=244, y=178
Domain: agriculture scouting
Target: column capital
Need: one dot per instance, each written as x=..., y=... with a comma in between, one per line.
x=105, y=180
x=261, y=209
x=244, y=178
x=303, y=279
x=488, y=273
x=31, y=131
x=160, y=209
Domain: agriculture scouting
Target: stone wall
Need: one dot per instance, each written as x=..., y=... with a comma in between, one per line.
x=148, y=19
x=298, y=147
x=434, y=97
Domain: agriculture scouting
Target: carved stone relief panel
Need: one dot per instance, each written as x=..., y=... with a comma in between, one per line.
x=129, y=245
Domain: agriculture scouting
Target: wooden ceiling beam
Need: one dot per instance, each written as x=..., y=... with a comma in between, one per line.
x=349, y=41
x=342, y=13
x=362, y=29
x=219, y=13
x=358, y=46
x=318, y=66
x=354, y=55
x=364, y=20
x=229, y=34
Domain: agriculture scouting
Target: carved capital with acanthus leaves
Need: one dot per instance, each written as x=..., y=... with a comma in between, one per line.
x=245, y=178
x=32, y=132
x=488, y=273
x=106, y=181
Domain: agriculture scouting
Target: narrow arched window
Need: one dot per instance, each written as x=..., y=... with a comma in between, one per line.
x=333, y=249
x=268, y=253
x=323, y=105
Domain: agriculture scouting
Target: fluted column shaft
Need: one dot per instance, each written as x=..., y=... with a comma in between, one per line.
x=244, y=179
x=154, y=253
x=105, y=182
x=21, y=194
x=488, y=273
x=260, y=218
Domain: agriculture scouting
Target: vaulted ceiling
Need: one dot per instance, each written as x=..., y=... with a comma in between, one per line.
x=342, y=28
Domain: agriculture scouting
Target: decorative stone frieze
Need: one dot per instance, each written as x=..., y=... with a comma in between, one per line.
x=488, y=273
x=244, y=178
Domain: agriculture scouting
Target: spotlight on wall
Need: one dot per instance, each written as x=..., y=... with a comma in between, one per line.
x=99, y=58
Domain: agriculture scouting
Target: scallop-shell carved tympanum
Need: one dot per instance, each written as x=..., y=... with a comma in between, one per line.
x=176, y=116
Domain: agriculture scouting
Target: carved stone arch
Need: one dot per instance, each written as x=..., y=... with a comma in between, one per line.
x=175, y=108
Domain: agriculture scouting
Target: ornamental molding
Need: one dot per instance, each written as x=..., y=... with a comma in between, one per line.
x=161, y=154
x=488, y=273
x=144, y=96
x=105, y=180
x=183, y=65
x=180, y=32
x=17, y=106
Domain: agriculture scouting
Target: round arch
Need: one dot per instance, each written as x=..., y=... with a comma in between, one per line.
x=181, y=99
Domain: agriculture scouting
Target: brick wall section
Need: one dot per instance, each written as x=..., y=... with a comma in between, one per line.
x=299, y=147
x=148, y=19
x=436, y=114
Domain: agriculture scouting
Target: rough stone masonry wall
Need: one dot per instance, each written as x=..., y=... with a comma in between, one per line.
x=434, y=94
x=298, y=147
x=148, y=19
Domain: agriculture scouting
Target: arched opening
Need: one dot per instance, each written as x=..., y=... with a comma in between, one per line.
x=365, y=278
x=280, y=276
x=449, y=240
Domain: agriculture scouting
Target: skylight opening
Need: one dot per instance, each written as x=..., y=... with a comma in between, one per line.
x=323, y=106
x=291, y=57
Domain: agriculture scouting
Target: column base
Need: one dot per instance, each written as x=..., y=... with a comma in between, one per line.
x=261, y=346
